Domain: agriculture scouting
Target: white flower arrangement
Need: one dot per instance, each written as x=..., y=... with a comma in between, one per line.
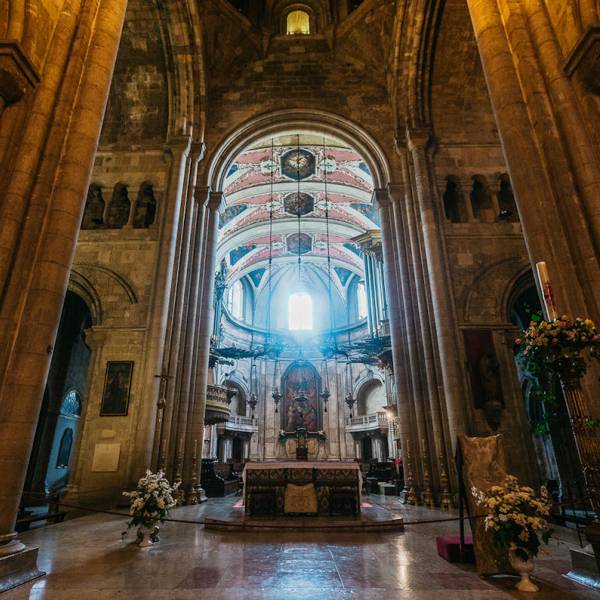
x=151, y=500
x=516, y=515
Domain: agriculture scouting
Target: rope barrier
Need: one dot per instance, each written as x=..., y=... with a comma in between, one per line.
x=203, y=521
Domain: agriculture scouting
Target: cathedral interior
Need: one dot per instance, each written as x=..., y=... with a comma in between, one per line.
x=241, y=234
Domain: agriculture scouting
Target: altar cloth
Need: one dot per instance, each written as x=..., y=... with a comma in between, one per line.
x=337, y=486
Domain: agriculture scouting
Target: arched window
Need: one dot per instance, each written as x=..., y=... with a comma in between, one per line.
x=298, y=23
x=361, y=300
x=236, y=300
x=300, y=312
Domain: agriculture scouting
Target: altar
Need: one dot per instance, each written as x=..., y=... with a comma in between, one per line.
x=328, y=488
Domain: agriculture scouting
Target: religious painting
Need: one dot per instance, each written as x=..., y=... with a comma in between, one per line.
x=117, y=384
x=299, y=243
x=301, y=409
x=298, y=164
x=299, y=204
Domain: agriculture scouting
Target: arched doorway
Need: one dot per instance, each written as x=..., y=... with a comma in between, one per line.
x=551, y=432
x=52, y=455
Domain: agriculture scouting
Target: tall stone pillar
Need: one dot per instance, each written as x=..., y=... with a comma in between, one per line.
x=41, y=206
x=204, y=331
x=439, y=284
x=553, y=166
x=408, y=374
x=183, y=156
x=397, y=308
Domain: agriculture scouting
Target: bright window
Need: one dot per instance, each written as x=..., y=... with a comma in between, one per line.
x=361, y=300
x=300, y=312
x=236, y=300
x=298, y=23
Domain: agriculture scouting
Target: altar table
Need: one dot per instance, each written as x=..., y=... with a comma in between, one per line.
x=337, y=486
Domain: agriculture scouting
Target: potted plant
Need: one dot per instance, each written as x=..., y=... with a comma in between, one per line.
x=517, y=518
x=149, y=503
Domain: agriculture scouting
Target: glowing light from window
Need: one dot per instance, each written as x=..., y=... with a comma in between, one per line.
x=298, y=23
x=300, y=312
x=236, y=300
x=361, y=300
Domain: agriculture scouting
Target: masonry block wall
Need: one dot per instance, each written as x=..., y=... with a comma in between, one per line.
x=485, y=246
x=118, y=248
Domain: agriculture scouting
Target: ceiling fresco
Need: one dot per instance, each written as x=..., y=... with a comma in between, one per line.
x=278, y=195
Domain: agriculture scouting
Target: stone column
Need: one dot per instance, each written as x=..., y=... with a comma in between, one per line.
x=32, y=329
x=179, y=288
x=440, y=286
x=181, y=152
x=369, y=293
x=198, y=400
x=553, y=189
x=397, y=307
x=409, y=284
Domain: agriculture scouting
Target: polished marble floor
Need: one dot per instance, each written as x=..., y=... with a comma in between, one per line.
x=86, y=560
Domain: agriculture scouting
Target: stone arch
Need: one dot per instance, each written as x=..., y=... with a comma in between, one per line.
x=363, y=393
x=123, y=283
x=481, y=199
x=119, y=208
x=453, y=199
x=144, y=213
x=486, y=301
x=519, y=285
x=85, y=289
x=273, y=123
x=318, y=17
x=506, y=199
x=93, y=214
x=242, y=395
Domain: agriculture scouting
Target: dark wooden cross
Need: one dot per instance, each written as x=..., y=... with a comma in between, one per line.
x=164, y=384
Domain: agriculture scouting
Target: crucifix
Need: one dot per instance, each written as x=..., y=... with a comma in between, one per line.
x=164, y=384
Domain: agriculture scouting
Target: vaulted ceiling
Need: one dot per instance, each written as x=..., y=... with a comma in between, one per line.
x=296, y=196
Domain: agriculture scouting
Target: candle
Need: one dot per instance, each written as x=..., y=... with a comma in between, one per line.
x=550, y=310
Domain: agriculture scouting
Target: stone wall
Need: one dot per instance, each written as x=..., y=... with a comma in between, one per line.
x=117, y=266
x=486, y=251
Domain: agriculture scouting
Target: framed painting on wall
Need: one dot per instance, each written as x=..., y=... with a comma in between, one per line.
x=117, y=385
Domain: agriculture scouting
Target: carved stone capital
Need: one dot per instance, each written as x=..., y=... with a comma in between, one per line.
x=396, y=191
x=95, y=337
x=381, y=197
x=201, y=194
x=418, y=138
x=214, y=200
x=17, y=75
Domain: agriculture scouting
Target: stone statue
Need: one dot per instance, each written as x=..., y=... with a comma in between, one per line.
x=489, y=377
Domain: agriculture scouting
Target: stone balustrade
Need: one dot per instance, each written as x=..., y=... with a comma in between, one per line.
x=370, y=422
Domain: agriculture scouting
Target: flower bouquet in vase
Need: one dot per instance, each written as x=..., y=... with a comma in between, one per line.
x=517, y=518
x=556, y=346
x=149, y=503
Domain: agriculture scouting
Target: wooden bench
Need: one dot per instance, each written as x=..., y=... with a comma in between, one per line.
x=23, y=523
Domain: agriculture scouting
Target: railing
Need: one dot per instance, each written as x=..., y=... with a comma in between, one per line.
x=239, y=420
x=239, y=423
x=378, y=420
